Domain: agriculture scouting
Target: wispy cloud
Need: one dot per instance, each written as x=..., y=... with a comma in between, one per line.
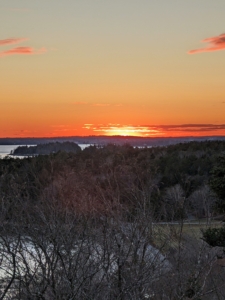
x=216, y=43
x=155, y=130
x=88, y=126
x=12, y=41
x=18, y=50
x=22, y=50
x=124, y=130
x=192, y=127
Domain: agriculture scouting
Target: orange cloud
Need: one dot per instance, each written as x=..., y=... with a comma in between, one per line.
x=124, y=130
x=216, y=43
x=12, y=41
x=155, y=130
x=22, y=50
x=192, y=127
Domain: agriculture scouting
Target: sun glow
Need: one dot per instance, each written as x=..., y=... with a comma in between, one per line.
x=123, y=130
x=128, y=131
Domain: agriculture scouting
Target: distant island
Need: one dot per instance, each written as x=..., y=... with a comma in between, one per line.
x=45, y=149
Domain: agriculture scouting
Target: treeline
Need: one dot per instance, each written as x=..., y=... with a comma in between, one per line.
x=172, y=182
x=84, y=225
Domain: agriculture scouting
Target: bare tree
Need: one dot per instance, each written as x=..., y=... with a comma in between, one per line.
x=202, y=201
x=174, y=203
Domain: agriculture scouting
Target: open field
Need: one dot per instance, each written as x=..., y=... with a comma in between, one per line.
x=170, y=235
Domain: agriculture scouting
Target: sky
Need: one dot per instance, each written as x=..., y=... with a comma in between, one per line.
x=119, y=67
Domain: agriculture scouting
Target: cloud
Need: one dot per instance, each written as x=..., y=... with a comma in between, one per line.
x=88, y=126
x=22, y=50
x=191, y=127
x=18, y=50
x=124, y=130
x=155, y=130
x=12, y=41
x=216, y=43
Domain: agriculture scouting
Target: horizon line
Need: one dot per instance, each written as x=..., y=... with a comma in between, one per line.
x=113, y=136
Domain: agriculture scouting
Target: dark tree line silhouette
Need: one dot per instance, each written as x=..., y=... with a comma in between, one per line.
x=87, y=225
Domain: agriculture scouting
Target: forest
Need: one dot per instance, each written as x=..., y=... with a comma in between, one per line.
x=114, y=222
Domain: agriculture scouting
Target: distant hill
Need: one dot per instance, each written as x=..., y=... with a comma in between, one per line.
x=43, y=149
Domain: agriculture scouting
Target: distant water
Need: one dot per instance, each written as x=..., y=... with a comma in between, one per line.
x=6, y=149
x=83, y=146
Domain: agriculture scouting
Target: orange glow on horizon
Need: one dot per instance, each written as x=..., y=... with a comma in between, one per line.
x=123, y=130
x=111, y=129
x=88, y=75
x=154, y=130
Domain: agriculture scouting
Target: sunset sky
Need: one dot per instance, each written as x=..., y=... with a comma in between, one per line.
x=100, y=67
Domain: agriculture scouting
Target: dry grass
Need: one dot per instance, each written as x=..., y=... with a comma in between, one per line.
x=166, y=236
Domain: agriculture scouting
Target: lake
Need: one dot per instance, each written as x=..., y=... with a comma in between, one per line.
x=6, y=149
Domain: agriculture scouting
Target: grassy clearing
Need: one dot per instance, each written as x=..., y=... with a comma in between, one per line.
x=167, y=236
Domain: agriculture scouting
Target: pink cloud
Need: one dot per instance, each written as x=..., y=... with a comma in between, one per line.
x=22, y=50
x=216, y=43
x=12, y=41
